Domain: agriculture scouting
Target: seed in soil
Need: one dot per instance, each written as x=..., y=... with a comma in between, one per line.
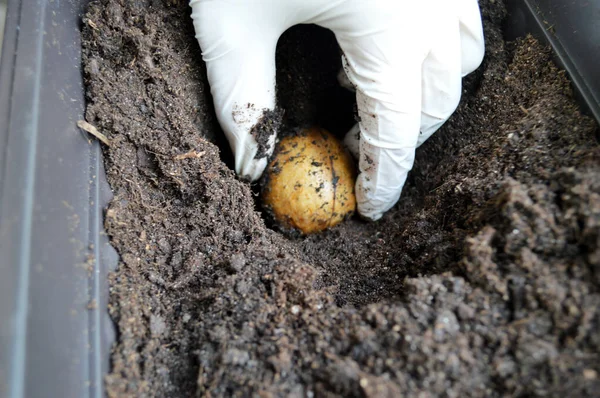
x=310, y=182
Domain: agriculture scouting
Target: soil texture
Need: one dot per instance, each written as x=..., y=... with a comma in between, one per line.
x=482, y=281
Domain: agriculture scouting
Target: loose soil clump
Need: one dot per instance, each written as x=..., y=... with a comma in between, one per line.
x=482, y=281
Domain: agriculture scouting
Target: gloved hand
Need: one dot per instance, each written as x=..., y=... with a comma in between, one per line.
x=405, y=59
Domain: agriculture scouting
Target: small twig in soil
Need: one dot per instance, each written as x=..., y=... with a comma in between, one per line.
x=189, y=155
x=85, y=126
x=157, y=154
x=177, y=180
x=435, y=189
x=525, y=111
x=137, y=191
x=92, y=24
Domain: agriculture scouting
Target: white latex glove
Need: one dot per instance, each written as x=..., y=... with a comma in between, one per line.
x=405, y=59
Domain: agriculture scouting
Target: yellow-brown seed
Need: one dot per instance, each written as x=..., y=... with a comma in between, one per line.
x=310, y=182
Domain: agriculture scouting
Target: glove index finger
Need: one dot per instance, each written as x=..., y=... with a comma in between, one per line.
x=238, y=42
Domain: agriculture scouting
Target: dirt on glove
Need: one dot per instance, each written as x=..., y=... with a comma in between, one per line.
x=482, y=281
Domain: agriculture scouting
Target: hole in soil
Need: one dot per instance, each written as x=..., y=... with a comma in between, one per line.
x=308, y=61
x=366, y=262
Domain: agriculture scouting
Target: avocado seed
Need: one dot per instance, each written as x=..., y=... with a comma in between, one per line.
x=310, y=182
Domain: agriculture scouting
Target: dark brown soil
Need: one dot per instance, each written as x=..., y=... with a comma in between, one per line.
x=483, y=280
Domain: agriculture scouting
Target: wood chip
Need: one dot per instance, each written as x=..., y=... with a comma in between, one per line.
x=82, y=124
x=525, y=111
x=92, y=24
x=190, y=155
x=590, y=374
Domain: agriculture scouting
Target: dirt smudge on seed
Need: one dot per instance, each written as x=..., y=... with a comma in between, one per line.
x=265, y=130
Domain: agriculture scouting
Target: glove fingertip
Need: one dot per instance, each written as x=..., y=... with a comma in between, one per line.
x=253, y=169
x=370, y=216
x=367, y=208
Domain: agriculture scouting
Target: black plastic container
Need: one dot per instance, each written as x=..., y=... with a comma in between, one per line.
x=55, y=333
